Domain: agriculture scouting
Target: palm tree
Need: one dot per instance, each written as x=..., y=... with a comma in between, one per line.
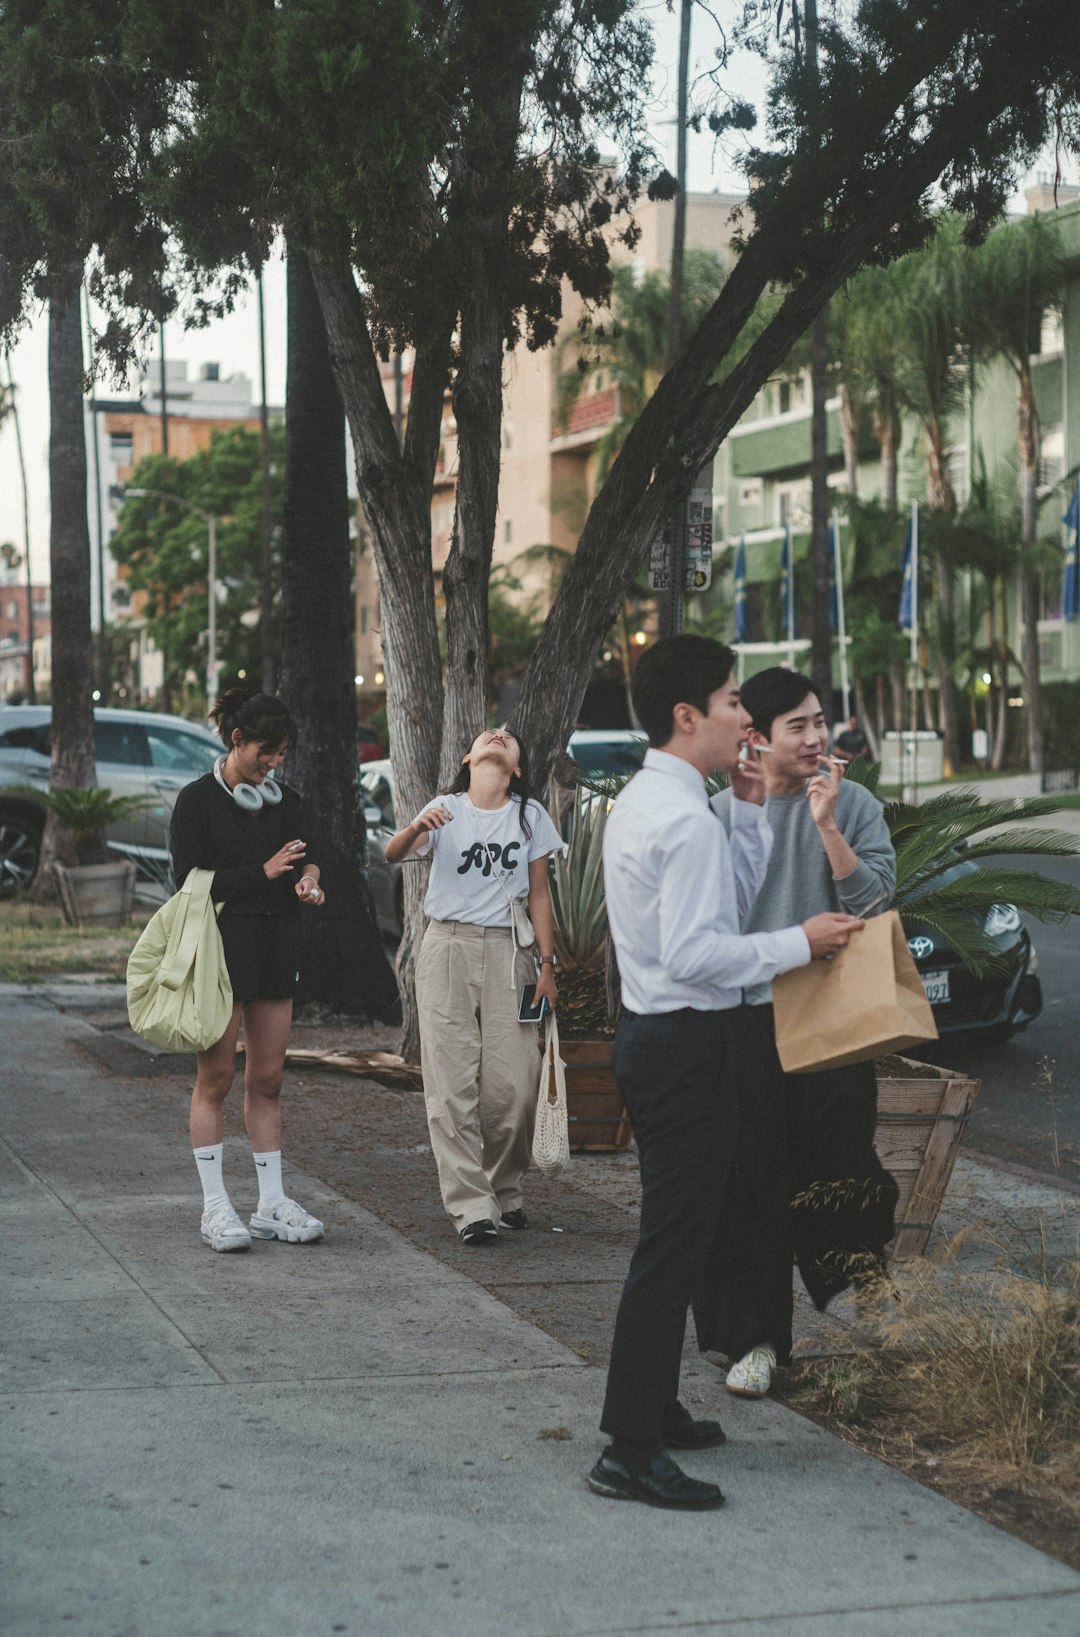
x=864, y=319
x=630, y=347
x=931, y=333
x=932, y=837
x=1017, y=275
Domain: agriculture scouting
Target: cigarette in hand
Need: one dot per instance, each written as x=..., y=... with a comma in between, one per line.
x=744, y=750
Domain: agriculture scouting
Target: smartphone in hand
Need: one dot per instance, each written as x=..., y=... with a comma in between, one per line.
x=530, y=1010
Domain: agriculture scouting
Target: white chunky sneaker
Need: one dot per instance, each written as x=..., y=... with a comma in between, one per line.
x=751, y=1377
x=288, y=1221
x=223, y=1230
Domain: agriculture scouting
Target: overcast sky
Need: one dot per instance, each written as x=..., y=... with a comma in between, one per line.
x=233, y=342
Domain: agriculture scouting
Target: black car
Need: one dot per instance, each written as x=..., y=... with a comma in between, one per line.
x=1001, y=1002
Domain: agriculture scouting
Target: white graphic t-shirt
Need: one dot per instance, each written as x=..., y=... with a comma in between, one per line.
x=462, y=885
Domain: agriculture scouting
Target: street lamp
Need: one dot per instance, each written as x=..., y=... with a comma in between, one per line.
x=123, y=490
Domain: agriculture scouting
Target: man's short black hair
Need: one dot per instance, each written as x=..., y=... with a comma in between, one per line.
x=772, y=693
x=682, y=670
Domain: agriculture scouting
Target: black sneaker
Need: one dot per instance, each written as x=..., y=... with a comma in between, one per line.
x=514, y=1219
x=479, y=1233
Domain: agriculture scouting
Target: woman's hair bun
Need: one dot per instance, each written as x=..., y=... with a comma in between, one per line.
x=259, y=716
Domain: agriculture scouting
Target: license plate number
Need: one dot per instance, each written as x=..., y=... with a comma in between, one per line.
x=936, y=986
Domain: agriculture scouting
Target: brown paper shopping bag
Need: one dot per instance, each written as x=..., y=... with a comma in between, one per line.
x=867, y=1002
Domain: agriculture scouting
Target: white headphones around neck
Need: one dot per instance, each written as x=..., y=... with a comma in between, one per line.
x=251, y=797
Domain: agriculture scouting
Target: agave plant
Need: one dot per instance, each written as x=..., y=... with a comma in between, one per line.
x=936, y=836
x=580, y=917
x=87, y=814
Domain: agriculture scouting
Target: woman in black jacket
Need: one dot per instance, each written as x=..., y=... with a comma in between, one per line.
x=255, y=835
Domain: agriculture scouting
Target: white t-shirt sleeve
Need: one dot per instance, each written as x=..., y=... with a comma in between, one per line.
x=545, y=839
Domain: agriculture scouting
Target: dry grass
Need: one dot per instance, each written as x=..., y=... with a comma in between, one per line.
x=970, y=1380
x=36, y=943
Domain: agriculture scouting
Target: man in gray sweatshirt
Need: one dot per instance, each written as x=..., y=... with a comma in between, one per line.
x=807, y=1180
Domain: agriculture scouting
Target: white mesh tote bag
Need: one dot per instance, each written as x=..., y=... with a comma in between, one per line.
x=551, y=1134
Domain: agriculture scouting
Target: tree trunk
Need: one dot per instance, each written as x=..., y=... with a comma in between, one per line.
x=887, y=433
x=344, y=962
x=998, y=642
x=395, y=486
x=69, y=567
x=820, y=545
x=1028, y=444
x=850, y=418
x=863, y=710
x=940, y=497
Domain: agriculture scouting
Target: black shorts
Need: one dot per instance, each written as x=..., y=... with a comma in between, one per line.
x=262, y=953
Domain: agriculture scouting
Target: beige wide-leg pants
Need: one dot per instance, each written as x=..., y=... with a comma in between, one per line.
x=481, y=1067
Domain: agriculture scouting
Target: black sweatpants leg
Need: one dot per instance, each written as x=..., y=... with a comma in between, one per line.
x=672, y=1072
x=747, y=1297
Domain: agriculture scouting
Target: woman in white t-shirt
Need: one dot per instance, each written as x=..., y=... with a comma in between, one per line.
x=489, y=844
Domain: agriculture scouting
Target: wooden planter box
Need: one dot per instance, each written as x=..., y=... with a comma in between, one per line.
x=598, y=1122
x=921, y=1119
x=96, y=894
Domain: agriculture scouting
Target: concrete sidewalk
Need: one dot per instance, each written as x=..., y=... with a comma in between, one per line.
x=348, y=1437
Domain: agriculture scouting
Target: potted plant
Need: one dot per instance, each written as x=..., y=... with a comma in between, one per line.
x=587, y=1002
x=98, y=889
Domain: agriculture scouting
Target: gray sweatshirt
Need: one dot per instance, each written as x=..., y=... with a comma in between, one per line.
x=799, y=881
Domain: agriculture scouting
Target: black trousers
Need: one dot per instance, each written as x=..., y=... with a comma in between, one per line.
x=806, y=1185
x=673, y=1070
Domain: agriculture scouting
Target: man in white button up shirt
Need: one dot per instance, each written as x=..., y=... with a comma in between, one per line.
x=676, y=893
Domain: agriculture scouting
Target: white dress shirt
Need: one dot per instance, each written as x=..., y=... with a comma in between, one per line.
x=677, y=891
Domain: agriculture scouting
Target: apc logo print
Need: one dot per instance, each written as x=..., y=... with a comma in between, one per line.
x=477, y=857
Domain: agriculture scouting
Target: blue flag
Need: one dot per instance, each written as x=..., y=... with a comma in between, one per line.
x=1070, y=580
x=787, y=586
x=903, y=618
x=742, y=626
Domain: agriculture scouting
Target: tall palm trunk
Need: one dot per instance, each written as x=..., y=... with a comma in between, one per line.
x=850, y=418
x=887, y=432
x=820, y=546
x=939, y=494
x=1028, y=438
x=69, y=564
x=344, y=964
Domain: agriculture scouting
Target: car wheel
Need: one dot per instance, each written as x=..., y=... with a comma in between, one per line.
x=20, y=849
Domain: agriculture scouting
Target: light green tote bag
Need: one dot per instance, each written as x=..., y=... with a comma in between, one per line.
x=178, y=990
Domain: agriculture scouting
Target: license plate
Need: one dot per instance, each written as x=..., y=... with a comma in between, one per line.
x=936, y=986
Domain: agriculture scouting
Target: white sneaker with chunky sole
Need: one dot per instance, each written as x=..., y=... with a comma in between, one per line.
x=751, y=1377
x=222, y=1229
x=288, y=1221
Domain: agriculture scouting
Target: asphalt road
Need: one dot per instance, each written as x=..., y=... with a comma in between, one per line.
x=1028, y=1110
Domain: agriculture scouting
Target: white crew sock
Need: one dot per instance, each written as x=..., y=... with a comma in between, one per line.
x=271, y=1193
x=208, y=1159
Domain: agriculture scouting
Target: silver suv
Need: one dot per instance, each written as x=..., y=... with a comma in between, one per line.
x=138, y=754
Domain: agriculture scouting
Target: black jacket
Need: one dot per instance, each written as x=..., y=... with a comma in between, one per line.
x=210, y=832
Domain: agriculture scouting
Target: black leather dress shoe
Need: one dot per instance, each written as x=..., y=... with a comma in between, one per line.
x=679, y=1430
x=514, y=1219
x=658, y=1482
x=483, y=1232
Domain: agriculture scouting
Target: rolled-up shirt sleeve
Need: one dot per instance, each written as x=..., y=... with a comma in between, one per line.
x=695, y=948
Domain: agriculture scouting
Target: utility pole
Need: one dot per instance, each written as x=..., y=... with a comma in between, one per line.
x=671, y=602
x=164, y=394
x=820, y=632
x=104, y=681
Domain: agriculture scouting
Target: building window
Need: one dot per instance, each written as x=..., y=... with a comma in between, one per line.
x=1051, y=333
x=12, y=609
x=121, y=443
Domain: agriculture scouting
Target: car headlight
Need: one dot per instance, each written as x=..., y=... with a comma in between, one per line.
x=1001, y=918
